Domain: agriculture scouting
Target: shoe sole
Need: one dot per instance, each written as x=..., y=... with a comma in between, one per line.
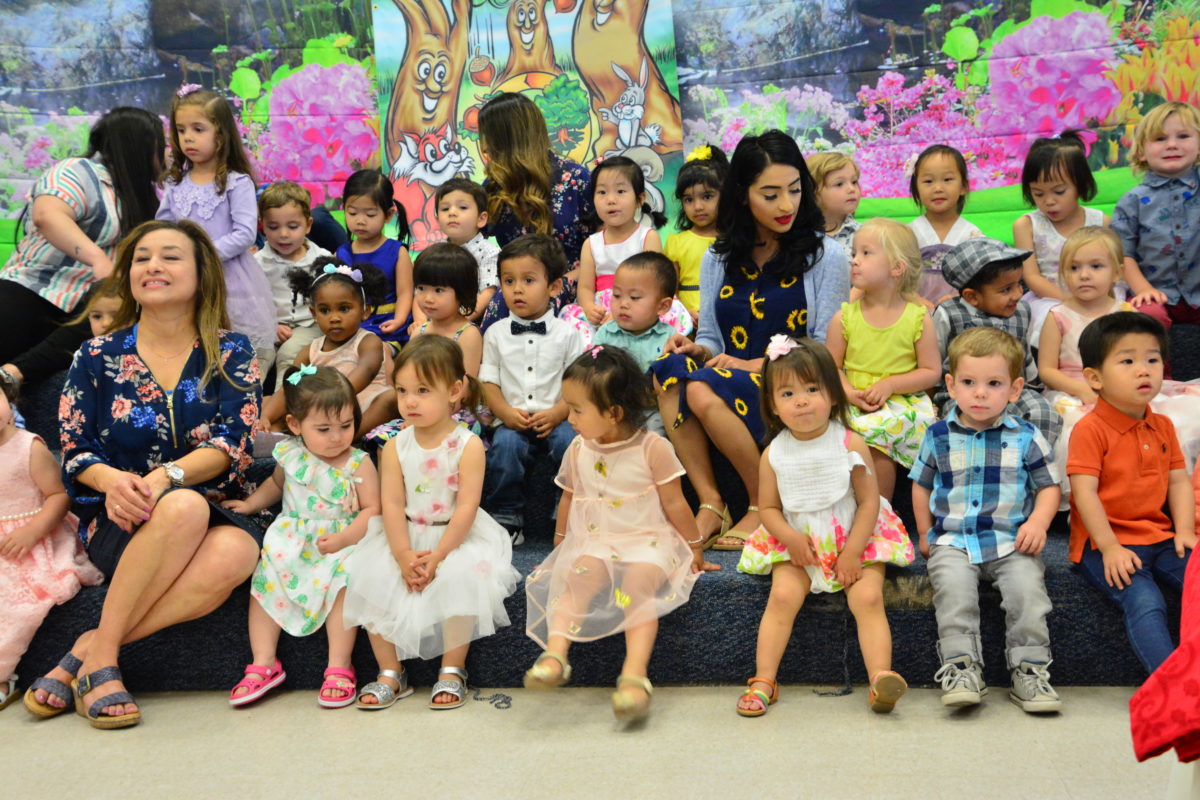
x=380, y=707
x=247, y=699
x=1036, y=706
x=961, y=699
x=888, y=690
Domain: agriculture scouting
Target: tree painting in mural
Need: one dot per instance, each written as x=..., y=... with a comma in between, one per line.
x=530, y=47
x=627, y=89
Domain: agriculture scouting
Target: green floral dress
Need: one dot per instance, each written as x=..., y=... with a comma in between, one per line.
x=293, y=582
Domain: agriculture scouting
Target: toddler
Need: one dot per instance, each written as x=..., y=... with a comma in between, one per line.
x=836, y=177
x=939, y=185
x=698, y=189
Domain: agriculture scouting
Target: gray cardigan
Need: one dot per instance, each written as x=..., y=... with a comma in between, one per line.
x=826, y=287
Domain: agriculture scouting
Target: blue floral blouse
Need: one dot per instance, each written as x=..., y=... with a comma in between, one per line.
x=114, y=412
x=570, y=207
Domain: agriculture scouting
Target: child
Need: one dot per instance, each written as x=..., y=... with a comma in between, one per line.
x=1159, y=219
x=340, y=299
x=1132, y=508
x=886, y=347
x=284, y=209
x=435, y=578
x=982, y=451
x=836, y=176
x=939, y=185
x=698, y=189
x=210, y=182
x=642, y=291
x=618, y=190
x=102, y=308
x=523, y=363
x=369, y=204
x=825, y=527
x=330, y=493
x=462, y=216
x=621, y=555
x=42, y=563
x=987, y=273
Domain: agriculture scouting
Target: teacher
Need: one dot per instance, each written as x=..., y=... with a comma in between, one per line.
x=156, y=423
x=80, y=208
x=771, y=270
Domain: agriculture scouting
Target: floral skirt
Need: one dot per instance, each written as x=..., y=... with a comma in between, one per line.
x=738, y=388
x=677, y=316
x=897, y=427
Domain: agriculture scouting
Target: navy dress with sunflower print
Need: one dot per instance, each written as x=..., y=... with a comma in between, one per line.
x=748, y=313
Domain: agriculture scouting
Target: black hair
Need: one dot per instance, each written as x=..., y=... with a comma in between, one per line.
x=614, y=380
x=466, y=186
x=663, y=268
x=131, y=144
x=710, y=172
x=542, y=248
x=800, y=248
x=305, y=280
x=374, y=185
x=10, y=386
x=811, y=362
x=439, y=360
x=637, y=179
x=447, y=264
x=952, y=154
x=1102, y=334
x=324, y=390
x=1064, y=155
x=990, y=272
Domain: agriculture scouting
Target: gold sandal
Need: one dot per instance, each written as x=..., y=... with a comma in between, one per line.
x=734, y=533
x=626, y=708
x=726, y=521
x=540, y=677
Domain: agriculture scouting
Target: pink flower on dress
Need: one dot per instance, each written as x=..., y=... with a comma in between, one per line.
x=249, y=414
x=484, y=568
x=201, y=433
x=437, y=509
x=430, y=465
x=758, y=543
x=279, y=604
x=452, y=444
x=131, y=367
x=121, y=407
x=870, y=552
x=452, y=481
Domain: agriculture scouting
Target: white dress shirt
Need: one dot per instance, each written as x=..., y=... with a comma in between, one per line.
x=485, y=251
x=528, y=367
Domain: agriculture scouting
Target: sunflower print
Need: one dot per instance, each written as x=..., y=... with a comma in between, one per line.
x=756, y=378
x=756, y=303
x=751, y=275
x=724, y=373
x=788, y=283
x=797, y=318
x=726, y=292
x=738, y=337
x=739, y=405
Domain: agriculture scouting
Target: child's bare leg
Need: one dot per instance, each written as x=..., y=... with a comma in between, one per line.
x=865, y=599
x=385, y=657
x=453, y=658
x=264, y=637
x=641, y=581
x=341, y=644
x=885, y=473
x=790, y=585
x=573, y=603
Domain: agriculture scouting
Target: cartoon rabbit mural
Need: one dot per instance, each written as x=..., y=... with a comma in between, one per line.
x=530, y=47
x=627, y=114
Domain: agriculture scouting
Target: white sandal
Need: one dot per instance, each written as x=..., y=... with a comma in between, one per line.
x=7, y=699
x=385, y=696
x=455, y=686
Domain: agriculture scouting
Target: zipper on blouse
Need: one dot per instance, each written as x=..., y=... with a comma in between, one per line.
x=171, y=416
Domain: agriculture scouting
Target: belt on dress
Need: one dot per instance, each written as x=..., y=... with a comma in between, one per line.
x=419, y=522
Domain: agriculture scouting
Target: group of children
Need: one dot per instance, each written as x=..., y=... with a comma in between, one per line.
x=418, y=551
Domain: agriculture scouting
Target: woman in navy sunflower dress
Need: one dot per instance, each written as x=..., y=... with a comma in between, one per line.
x=771, y=271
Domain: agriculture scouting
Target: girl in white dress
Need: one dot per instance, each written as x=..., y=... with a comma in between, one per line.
x=627, y=550
x=435, y=578
x=939, y=186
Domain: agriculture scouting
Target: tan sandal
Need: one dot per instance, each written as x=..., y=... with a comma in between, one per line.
x=726, y=521
x=886, y=688
x=626, y=708
x=539, y=676
x=734, y=533
x=759, y=696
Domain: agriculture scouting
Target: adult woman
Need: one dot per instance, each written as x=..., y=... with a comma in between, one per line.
x=530, y=189
x=770, y=271
x=163, y=403
x=79, y=208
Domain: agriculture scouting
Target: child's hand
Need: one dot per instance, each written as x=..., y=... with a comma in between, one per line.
x=543, y=423
x=1183, y=542
x=426, y=566
x=848, y=569
x=391, y=326
x=330, y=543
x=1031, y=538
x=698, y=562
x=1150, y=296
x=18, y=543
x=407, y=561
x=282, y=333
x=678, y=343
x=877, y=394
x=803, y=555
x=595, y=315
x=1119, y=565
x=238, y=506
x=856, y=398
x=726, y=361
x=513, y=418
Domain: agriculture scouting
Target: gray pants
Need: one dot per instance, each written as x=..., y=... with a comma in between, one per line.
x=1020, y=577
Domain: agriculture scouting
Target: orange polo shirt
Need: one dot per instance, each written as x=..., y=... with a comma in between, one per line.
x=1133, y=459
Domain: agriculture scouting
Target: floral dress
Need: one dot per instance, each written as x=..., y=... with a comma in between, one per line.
x=294, y=583
x=818, y=502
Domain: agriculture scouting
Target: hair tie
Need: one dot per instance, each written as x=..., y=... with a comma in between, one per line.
x=700, y=153
x=187, y=88
x=353, y=274
x=294, y=378
x=780, y=345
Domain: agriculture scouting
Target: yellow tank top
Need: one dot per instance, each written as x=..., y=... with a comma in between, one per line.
x=873, y=354
x=686, y=249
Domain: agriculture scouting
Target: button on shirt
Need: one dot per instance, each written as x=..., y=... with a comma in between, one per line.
x=528, y=367
x=983, y=483
x=1159, y=224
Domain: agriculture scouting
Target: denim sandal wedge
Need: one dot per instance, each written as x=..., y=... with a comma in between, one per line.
x=85, y=684
x=51, y=686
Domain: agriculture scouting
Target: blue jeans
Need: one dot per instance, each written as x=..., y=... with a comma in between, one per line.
x=511, y=455
x=1141, y=602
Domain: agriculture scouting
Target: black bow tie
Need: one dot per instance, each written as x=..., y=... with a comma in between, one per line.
x=533, y=327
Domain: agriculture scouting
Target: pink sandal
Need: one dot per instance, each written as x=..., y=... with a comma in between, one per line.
x=336, y=678
x=259, y=681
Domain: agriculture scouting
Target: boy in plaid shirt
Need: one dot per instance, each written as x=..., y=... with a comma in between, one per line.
x=984, y=493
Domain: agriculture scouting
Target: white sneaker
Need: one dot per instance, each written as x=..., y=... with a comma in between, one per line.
x=1031, y=688
x=962, y=682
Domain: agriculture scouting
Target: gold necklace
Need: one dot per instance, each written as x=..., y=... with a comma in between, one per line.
x=160, y=354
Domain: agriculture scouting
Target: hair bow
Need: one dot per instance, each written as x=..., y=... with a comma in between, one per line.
x=353, y=274
x=780, y=345
x=910, y=165
x=701, y=153
x=294, y=378
x=188, y=88
x=594, y=352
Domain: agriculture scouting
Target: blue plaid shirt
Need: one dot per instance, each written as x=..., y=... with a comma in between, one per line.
x=983, y=483
x=1159, y=224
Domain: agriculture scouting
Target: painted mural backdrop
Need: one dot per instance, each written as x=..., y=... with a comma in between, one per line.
x=601, y=71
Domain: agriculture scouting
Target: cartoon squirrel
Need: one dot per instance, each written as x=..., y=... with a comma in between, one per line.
x=628, y=111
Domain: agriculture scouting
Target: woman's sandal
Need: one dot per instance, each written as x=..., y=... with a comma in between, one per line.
x=340, y=679
x=540, y=676
x=759, y=696
x=726, y=521
x=886, y=688
x=9, y=696
x=734, y=533
x=454, y=686
x=52, y=686
x=629, y=708
x=385, y=696
x=85, y=685
x=258, y=681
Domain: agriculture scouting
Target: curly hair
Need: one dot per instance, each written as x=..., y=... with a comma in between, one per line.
x=512, y=131
x=305, y=280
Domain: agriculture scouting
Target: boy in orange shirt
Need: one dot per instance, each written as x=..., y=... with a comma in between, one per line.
x=1125, y=467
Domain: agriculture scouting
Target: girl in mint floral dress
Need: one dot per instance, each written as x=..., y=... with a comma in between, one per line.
x=330, y=494
x=825, y=527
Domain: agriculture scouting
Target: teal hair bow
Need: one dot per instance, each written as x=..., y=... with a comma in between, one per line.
x=294, y=378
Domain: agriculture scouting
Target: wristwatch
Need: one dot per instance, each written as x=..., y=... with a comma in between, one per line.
x=174, y=474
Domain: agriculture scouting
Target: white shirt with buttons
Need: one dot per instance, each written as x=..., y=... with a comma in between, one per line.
x=528, y=367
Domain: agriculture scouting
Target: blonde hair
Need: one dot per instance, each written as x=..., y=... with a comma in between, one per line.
x=282, y=193
x=822, y=165
x=230, y=155
x=986, y=341
x=1091, y=234
x=900, y=246
x=1152, y=125
x=513, y=132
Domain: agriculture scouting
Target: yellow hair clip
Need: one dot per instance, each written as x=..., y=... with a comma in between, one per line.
x=701, y=153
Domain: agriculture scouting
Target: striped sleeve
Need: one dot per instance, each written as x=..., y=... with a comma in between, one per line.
x=70, y=181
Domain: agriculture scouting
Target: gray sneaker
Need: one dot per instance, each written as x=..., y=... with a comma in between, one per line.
x=1031, y=688
x=962, y=682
